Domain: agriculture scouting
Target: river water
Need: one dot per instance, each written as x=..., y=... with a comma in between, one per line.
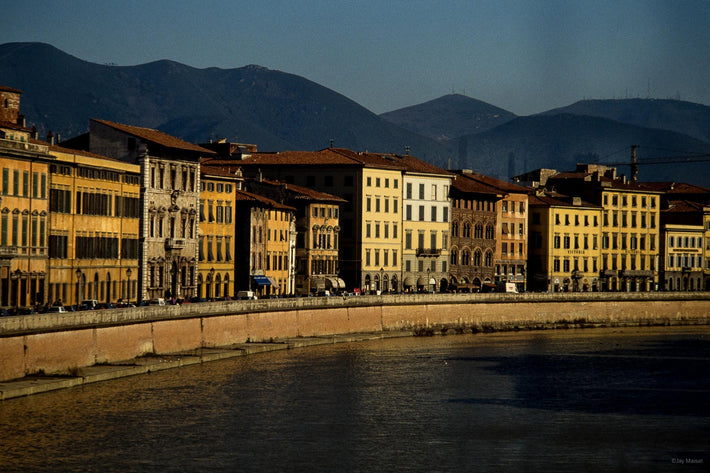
x=579, y=400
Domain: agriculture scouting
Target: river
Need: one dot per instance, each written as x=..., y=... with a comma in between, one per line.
x=632, y=399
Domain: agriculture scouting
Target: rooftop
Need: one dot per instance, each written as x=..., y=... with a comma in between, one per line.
x=155, y=136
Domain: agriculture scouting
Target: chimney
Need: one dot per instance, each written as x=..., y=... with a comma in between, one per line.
x=50, y=138
x=35, y=133
x=21, y=121
x=577, y=201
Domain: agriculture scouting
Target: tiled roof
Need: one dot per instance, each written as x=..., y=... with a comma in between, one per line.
x=78, y=152
x=217, y=172
x=549, y=199
x=305, y=192
x=155, y=136
x=412, y=164
x=324, y=157
x=675, y=188
x=464, y=183
x=603, y=181
x=4, y=88
x=13, y=126
x=244, y=196
x=677, y=206
x=498, y=185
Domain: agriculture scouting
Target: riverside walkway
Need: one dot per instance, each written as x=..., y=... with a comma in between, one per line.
x=44, y=352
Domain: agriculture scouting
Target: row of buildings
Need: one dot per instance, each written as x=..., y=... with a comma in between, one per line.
x=130, y=213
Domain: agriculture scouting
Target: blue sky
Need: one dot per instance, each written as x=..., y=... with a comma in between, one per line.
x=526, y=56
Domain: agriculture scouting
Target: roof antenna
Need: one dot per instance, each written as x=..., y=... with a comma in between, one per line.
x=406, y=150
x=634, y=164
x=331, y=142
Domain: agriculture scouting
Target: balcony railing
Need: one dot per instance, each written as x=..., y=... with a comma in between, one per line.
x=174, y=244
x=23, y=145
x=8, y=251
x=428, y=251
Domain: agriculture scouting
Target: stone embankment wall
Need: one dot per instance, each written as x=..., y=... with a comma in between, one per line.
x=61, y=343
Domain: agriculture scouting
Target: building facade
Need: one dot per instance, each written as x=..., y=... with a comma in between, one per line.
x=367, y=262
x=564, y=248
x=170, y=186
x=682, y=262
x=315, y=234
x=217, y=227
x=630, y=225
x=426, y=225
x=24, y=208
x=94, y=217
x=473, y=234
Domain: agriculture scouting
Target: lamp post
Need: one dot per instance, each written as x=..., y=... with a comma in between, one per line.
x=78, y=283
x=209, y=286
x=428, y=281
x=15, y=276
x=382, y=278
x=128, y=274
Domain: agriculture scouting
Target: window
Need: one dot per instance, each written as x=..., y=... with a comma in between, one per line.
x=409, y=190
x=433, y=214
x=408, y=212
x=421, y=191
x=421, y=213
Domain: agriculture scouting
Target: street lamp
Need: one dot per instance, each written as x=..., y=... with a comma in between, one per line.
x=128, y=273
x=210, y=289
x=428, y=281
x=15, y=276
x=78, y=282
x=382, y=278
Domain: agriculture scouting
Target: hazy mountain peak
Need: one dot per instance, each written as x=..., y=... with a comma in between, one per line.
x=449, y=116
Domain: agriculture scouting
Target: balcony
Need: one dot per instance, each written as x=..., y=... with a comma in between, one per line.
x=8, y=252
x=175, y=243
x=428, y=252
x=23, y=146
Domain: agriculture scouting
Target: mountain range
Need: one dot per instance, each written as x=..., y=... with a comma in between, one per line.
x=280, y=111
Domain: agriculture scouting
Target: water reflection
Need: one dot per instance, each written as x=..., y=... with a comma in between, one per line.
x=578, y=401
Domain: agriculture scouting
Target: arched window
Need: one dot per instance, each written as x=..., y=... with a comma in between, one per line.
x=477, y=258
x=454, y=256
x=490, y=232
x=466, y=230
x=488, y=262
x=455, y=229
x=465, y=257
x=478, y=231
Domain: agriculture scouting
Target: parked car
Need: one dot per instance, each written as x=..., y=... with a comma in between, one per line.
x=56, y=309
x=249, y=295
x=89, y=304
x=159, y=301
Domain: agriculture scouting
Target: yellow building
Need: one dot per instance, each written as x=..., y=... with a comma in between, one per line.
x=94, y=228
x=314, y=252
x=24, y=208
x=280, y=248
x=564, y=249
x=216, y=232
x=630, y=225
x=371, y=185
